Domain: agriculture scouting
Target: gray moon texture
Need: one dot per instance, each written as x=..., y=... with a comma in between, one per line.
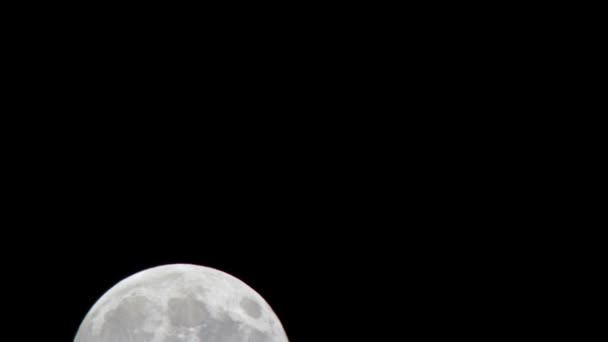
x=181, y=303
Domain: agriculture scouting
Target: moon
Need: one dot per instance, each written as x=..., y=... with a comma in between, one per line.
x=181, y=303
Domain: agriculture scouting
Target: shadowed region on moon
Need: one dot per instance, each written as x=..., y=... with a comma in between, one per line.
x=189, y=304
x=128, y=320
x=187, y=312
x=252, y=308
x=224, y=330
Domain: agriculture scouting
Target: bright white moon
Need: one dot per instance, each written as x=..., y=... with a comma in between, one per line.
x=181, y=303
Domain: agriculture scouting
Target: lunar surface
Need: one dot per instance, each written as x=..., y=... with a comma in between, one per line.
x=181, y=303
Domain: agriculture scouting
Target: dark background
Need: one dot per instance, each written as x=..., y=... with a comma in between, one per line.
x=335, y=230
x=336, y=163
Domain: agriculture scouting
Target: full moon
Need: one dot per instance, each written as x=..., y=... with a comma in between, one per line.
x=181, y=303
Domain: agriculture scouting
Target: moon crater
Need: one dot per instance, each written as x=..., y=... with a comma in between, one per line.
x=251, y=307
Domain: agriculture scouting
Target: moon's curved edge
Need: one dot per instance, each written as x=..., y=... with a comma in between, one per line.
x=125, y=283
